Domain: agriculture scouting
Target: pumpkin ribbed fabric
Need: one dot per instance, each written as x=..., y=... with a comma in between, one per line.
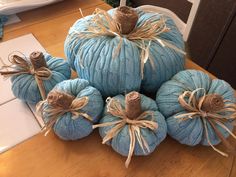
x=77, y=124
x=121, y=141
x=191, y=131
x=25, y=87
x=93, y=58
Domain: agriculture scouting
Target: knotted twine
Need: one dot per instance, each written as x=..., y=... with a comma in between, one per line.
x=20, y=66
x=60, y=103
x=115, y=109
x=102, y=24
x=194, y=107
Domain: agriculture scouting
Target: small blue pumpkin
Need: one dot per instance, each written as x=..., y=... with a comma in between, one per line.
x=150, y=136
x=25, y=86
x=182, y=100
x=72, y=122
x=116, y=67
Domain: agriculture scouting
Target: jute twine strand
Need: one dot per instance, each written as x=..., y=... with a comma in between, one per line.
x=194, y=107
x=115, y=109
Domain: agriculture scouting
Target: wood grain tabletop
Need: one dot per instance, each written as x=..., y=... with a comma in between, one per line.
x=48, y=156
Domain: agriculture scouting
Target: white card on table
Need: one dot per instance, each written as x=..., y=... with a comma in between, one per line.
x=17, y=120
x=24, y=44
x=38, y=118
x=17, y=124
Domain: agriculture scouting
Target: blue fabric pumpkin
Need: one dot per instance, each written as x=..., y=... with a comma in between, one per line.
x=66, y=125
x=197, y=128
x=25, y=87
x=121, y=140
x=114, y=71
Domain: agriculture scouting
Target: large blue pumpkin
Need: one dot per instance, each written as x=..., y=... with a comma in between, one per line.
x=93, y=58
x=24, y=86
x=67, y=127
x=192, y=131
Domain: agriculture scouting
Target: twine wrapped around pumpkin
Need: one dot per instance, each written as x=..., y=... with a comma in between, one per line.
x=102, y=24
x=59, y=104
x=114, y=108
x=36, y=67
x=211, y=108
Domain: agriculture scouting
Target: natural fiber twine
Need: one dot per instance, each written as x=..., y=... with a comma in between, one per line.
x=210, y=111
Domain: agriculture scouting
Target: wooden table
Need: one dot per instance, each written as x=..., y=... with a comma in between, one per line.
x=43, y=156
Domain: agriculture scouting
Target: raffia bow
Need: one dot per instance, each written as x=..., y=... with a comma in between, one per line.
x=54, y=110
x=20, y=66
x=114, y=108
x=102, y=24
x=194, y=108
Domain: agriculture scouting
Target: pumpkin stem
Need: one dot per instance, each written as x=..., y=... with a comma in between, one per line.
x=213, y=103
x=133, y=105
x=37, y=60
x=60, y=99
x=127, y=18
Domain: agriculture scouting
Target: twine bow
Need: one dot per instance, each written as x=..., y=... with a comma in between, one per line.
x=102, y=24
x=194, y=108
x=114, y=108
x=55, y=111
x=20, y=66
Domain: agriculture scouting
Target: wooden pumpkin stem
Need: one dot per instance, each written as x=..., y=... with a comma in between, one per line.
x=133, y=105
x=60, y=99
x=37, y=60
x=213, y=103
x=127, y=18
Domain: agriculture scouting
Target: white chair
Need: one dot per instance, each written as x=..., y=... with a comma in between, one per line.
x=184, y=28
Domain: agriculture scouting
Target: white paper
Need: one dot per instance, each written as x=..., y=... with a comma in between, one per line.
x=17, y=124
x=25, y=44
x=38, y=118
x=17, y=120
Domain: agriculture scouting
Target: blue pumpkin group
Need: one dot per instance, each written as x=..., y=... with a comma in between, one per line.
x=112, y=61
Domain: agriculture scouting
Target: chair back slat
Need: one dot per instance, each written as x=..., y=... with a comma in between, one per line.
x=184, y=28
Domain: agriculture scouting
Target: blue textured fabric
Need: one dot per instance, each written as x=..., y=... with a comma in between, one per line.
x=25, y=87
x=121, y=142
x=191, y=131
x=3, y=20
x=72, y=129
x=92, y=59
